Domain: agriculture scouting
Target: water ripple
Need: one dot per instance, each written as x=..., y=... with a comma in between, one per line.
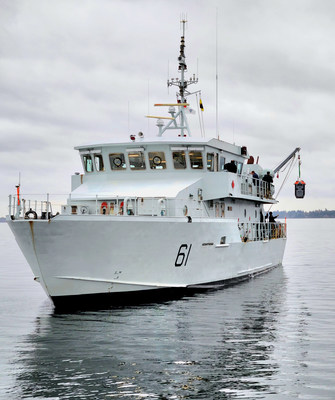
x=268, y=338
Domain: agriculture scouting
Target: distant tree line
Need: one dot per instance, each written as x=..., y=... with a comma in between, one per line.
x=305, y=214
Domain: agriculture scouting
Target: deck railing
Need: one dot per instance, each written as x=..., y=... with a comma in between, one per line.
x=256, y=187
x=45, y=208
x=253, y=231
x=35, y=205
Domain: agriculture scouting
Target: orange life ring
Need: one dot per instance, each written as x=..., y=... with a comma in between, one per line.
x=104, y=209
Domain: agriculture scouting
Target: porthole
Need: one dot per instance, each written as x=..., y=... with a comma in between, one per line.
x=157, y=160
x=117, y=162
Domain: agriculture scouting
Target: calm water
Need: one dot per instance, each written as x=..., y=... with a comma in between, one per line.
x=272, y=337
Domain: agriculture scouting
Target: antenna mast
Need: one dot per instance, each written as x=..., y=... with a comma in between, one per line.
x=182, y=65
x=182, y=83
x=178, y=118
x=182, y=93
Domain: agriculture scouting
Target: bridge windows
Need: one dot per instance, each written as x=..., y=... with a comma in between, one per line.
x=210, y=161
x=145, y=157
x=196, y=159
x=179, y=159
x=88, y=163
x=99, y=162
x=157, y=160
x=222, y=162
x=117, y=161
x=136, y=160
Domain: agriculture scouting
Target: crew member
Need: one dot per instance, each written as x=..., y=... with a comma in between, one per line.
x=268, y=180
x=231, y=166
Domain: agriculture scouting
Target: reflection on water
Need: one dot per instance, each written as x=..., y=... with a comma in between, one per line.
x=220, y=342
x=268, y=338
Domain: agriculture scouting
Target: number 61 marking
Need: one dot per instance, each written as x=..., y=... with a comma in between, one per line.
x=182, y=254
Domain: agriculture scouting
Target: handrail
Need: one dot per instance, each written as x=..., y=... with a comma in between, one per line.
x=41, y=206
x=256, y=187
x=255, y=231
x=46, y=208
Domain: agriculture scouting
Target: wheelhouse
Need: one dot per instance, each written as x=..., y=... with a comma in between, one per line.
x=154, y=157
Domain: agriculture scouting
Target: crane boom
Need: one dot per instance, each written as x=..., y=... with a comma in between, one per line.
x=286, y=160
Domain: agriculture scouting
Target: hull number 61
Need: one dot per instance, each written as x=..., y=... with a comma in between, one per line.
x=183, y=254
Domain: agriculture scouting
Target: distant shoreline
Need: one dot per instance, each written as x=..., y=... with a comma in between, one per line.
x=305, y=214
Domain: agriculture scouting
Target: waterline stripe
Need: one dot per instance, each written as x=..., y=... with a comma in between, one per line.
x=79, y=278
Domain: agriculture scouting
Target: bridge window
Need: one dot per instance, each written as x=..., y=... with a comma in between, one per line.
x=239, y=168
x=222, y=163
x=99, y=162
x=179, y=159
x=136, y=160
x=88, y=163
x=117, y=161
x=157, y=160
x=196, y=159
x=210, y=161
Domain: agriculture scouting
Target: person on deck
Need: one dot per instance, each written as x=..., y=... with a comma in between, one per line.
x=272, y=218
x=268, y=180
x=255, y=181
x=272, y=223
x=254, y=176
x=231, y=166
x=262, y=226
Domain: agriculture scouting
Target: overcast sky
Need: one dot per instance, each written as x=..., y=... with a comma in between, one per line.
x=71, y=69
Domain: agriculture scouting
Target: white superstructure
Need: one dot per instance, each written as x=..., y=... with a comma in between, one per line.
x=148, y=214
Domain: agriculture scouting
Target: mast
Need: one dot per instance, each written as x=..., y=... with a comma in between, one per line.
x=182, y=83
x=182, y=66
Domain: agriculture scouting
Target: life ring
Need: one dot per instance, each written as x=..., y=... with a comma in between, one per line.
x=104, y=209
x=30, y=212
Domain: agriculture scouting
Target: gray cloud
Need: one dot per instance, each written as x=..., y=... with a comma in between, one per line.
x=69, y=70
